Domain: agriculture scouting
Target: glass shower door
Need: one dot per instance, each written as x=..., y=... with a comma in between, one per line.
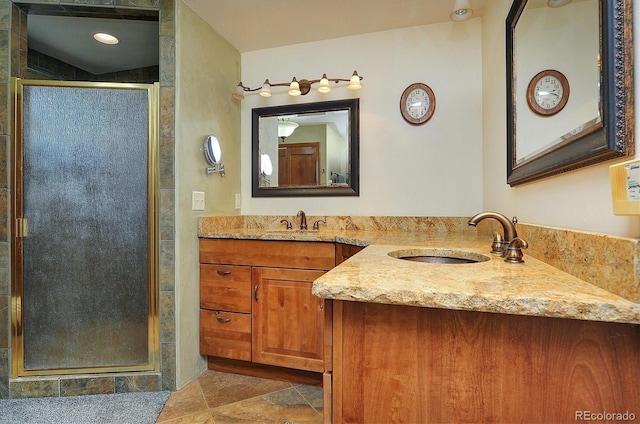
x=85, y=251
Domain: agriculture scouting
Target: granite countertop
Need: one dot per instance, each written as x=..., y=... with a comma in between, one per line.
x=531, y=288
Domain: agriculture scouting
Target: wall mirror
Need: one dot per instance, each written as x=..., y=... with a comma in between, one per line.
x=569, y=85
x=309, y=149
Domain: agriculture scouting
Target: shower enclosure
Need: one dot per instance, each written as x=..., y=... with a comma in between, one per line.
x=84, y=254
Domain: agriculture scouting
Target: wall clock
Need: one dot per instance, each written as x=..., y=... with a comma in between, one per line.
x=548, y=92
x=417, y=103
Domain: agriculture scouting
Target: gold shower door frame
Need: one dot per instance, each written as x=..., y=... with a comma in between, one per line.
x=19, y=229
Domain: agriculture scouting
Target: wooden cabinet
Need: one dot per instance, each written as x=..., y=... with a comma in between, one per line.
x=345, y=251
x=256, y=302
x=401, y=364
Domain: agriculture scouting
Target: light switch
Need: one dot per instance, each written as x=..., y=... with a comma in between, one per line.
x=197, y=200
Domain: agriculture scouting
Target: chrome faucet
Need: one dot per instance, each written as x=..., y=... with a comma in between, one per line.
x=303, y=219
x=509, y=227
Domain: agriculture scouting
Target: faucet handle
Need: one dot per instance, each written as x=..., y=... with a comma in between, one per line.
x=498, y=243
x=316, y=225
x=287, y=223
x=514, y=250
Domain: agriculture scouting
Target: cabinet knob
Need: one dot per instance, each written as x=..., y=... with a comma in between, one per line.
x=223, y=272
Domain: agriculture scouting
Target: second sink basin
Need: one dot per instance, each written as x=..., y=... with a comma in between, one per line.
x=439, y=256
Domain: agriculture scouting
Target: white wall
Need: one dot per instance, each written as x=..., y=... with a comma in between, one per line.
x=434, y=169
x=579, y=199
x=429, y=170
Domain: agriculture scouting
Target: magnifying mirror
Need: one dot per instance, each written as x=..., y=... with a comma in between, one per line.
x=213, y=154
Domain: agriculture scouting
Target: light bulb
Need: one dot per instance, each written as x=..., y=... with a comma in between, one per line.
x=294, y=88
x=105, y=38
x=265, y=91
x=324, y=84
x=354, y=82
x=239, y=92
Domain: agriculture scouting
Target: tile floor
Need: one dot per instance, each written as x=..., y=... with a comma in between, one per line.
x=221, y=398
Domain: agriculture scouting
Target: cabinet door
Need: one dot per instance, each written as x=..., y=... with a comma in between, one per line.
x=288, y=321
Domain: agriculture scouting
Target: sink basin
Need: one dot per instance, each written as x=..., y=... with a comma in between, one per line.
x=439, y=256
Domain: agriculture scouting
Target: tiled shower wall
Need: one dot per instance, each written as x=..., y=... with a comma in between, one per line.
x=13, y=60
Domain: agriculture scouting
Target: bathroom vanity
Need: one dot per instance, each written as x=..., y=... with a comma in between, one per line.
x=424, y=347
x=400, y=341
x=256, y=306
x=256, y=302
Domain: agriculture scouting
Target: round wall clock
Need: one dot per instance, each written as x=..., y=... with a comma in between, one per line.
x=417, y=103
x=548, y=92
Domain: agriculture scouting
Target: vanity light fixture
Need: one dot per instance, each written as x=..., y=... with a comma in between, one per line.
x=461, y=11
x=301, y=87
x=557, y=3
x=105, y=38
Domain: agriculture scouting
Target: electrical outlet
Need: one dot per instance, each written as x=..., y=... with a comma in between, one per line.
x=197, y=200
x=238, y=201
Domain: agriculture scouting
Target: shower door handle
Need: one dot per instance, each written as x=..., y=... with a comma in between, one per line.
x=22, y=227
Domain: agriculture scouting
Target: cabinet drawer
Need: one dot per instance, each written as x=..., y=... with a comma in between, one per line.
x=226, y=288
x=282, y=254
x=225, y=334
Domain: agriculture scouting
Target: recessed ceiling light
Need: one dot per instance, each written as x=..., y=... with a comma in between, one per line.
x=105, y=38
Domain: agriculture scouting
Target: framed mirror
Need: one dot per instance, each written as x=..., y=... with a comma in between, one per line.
x=569, y=85
x=309, y=149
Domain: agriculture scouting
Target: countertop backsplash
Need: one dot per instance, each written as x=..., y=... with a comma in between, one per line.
x=609, y=262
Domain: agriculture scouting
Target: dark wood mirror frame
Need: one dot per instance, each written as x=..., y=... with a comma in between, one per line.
x=352, y=106
x=615, y=138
